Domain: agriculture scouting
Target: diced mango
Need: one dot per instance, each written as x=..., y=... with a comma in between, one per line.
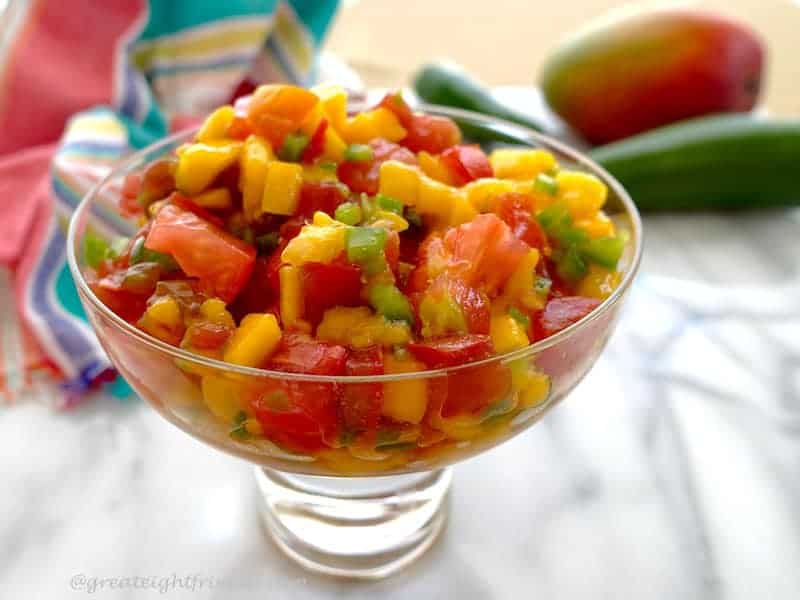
x=389, y=220
x=359, y=327
x=199, y=164
x=516, y=163
x=432, y=166
x=462, y=211
x=215, y=127
x=256, y=156
x=282, y=188
x=519, y=287
x=312, y=121
x=598, y=282
x=316, y=242
x=334, y=146
x=406, y=400
x=163, y=319
x=334, y=102
x=597, y=227
x=216, y=199
x=318, y=174
x=291, y=295
x=480, y=193
x=216, y=311
x=435, y=199
x=507, y=333
x=400, y=181
x=223, y=397
x=255, y=340
x=371, y=124
x=584, y=193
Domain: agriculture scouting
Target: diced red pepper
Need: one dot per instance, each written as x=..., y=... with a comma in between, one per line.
x=466, y=163
x=324, y=196
x=560, y=313
x=452, y=350
x=223, y=263
x=316, y=144
x=515, y=210
x=326, y=285
x=360, y=403
x=362, y=176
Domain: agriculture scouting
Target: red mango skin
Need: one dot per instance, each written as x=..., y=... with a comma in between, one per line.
x=651, y=69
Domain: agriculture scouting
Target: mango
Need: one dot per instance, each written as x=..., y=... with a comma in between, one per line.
x=648, y=69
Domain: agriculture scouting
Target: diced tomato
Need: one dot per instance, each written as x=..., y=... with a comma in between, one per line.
x=126, y=304
x=300, y=416
x=326, y=285
x=277, y=110
x=223, y=263
x=188, y=204
x=431, y=134
x=291, y=227
x=452, y=350
x=324, y=196
x=466, y=163
x=362, y=176
x=473, y=303
x=129, y=204
x=430, y=259
x=484, y=252
x=262, y=291
x=515, y=210
x=316, y=144
x=560, y=313
x=207, y=335
x=300, y=353
x=360, y=403
x=472, y=389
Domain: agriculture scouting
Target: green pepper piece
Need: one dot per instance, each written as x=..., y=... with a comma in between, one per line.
x=554, y=218
x=390, y=302
x=140, y=254
x=239, y=430
x=293, y=147
x=570, y=265
x=541, y=285
x=358, y=153
x=412, y=216
x=328, y=165
x=605, y=251
x=267, y=242
x=348, y=213
x=95, y=250
x=546, y=184
x=365, y=244
x=519, y=316
x=390, y=204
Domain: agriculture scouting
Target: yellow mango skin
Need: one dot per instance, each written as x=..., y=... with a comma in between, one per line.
x=215, y=127
x=255, y=340
x=521, y=164
x=282, y=188
x=199, y=164
x=255, y=158
x=404, y=401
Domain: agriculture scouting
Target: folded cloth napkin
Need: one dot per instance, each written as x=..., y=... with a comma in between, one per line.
x=83, y=84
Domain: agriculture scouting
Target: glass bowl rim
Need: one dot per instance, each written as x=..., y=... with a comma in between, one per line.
x=520, y=132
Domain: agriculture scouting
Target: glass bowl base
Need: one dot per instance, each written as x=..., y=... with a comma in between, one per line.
x=363, y=528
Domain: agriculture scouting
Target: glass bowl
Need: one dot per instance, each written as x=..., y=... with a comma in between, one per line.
x=358, y=510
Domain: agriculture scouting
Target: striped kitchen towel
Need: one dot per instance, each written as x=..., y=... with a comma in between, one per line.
x=81, y=84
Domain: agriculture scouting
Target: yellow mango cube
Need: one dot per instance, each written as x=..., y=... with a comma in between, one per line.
x=462, y=211
x=334, y=146
x=255, y=340
x=435, y=199
x=516, y=163
x=199, y=164
x=163, y=319
x=399, y=180
x=359, y=327
x=481, y=193
x=256, y=156
x=507, y=333
x=597, y=227
x=223, y=397
x=333, y=99
x=583, y=193
x=215, y=127
x=282, y=188
x=433, y=167
x=371, y=124
x=519, y=287
x=404, y=401
x=216, y=311
x=316, y=243
x=291, y=295
x=599, y=282
x=216, y=199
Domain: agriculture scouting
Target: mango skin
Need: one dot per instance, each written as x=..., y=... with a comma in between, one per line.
x=653, y=68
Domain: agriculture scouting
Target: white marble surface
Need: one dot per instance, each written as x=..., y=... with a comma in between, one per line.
x=670, y=473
